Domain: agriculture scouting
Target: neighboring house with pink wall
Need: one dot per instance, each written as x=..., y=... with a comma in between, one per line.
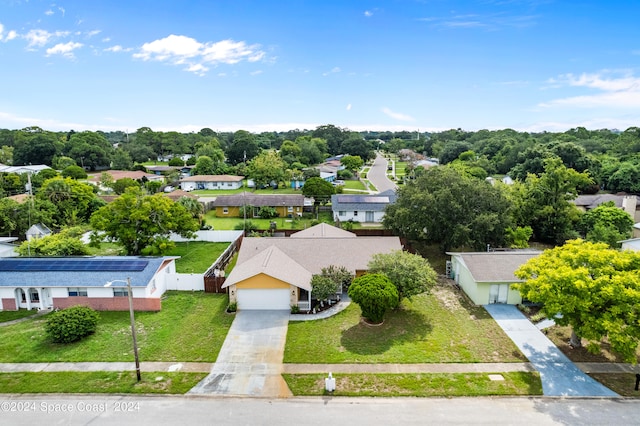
x=60, y=282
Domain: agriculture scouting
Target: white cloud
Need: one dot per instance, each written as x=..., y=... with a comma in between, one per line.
x=49, y=12
x=64, y=49
x=334, y=70
x=39, y=38
x=397, y=115
x=348, y=107
x=115, y=49
x=616, y=91
x=256, y=72
x=178, y=49
x=93, y=33
x=368, y=13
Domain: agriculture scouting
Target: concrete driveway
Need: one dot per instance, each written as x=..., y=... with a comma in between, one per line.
x=250, y=361
x=560, y=376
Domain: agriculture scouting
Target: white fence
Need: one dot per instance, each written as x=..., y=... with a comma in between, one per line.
x=210, y=236
x=185, y=282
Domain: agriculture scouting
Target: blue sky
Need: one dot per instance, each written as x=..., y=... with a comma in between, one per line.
x=530, y=65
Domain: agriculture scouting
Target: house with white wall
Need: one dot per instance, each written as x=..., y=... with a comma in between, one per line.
x=362, y=208
x=191, y=183
x=51, y=282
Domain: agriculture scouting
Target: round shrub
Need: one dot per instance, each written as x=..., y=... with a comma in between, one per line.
x=71, y=324
x=375, y=294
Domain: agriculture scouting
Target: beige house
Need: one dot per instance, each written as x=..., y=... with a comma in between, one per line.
x=486, y=277
x=275, y=273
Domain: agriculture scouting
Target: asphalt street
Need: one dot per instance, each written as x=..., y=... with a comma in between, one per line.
x=197, y=410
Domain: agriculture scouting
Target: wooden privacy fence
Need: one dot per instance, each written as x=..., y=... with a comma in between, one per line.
x=214, y=277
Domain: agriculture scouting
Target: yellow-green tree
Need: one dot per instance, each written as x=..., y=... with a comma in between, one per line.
x=596, y=290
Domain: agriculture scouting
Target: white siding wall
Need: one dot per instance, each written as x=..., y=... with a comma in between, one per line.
x=185, y=282
x=362, y=215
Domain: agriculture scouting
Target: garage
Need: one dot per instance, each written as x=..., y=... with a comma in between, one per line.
x=261, y=299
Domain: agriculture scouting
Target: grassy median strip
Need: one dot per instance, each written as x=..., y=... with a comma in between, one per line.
x=99, y=382
x=420, y=385
x=441, y=327
x=190, y=327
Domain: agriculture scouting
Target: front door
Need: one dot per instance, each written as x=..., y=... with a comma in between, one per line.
x=498, y=293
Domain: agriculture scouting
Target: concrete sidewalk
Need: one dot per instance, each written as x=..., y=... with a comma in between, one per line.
x=205, y=367
x=560, y=376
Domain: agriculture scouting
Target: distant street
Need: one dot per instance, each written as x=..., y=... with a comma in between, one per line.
x=378, y=174
x=160, y=410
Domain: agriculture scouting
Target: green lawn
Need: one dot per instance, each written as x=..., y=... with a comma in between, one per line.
x=354, y=185
x=196, y=256
x=442, y=327
x=190, y=327
x=621, y=383
x=99, y=382
x=229, y=223
x=417, y=385
x=106, y=249
x=14, y=315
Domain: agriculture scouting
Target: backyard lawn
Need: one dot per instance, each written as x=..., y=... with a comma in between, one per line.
x=196, y=256
x=191, y=327
x=229, y=223
x=441, y=327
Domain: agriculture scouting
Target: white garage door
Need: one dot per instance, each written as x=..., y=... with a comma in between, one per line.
x=272, y=299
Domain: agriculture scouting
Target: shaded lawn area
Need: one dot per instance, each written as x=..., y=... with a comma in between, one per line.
x=196, y=256
x=14, y=315
x=560, y=335
x=420, y=385
x=190, y=327
x=621, y=383
x=441, y=327
x=99, y=382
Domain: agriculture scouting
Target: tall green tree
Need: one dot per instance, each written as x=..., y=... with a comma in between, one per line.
x=73, y=201
x=596, y=290
x=548, y=199
x=607, y=223
x=266, y=167
x=410, y=273
x=318, y=189
x=142, y=223
x=443, y=206
x=243, y=148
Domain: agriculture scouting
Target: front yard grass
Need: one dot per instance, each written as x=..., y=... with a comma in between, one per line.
x=6, y=316
x=441, y=327
x=356, y=185
x=190, y=327
x=417, y=385
x=196, y=256
x=99, y=382
x=621, y=383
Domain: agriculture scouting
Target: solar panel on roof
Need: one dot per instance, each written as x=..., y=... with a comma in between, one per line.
x=76, y=265
x=362, y=199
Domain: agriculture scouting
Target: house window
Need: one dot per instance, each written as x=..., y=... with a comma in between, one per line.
x=355, y=213
x=290, y=209
x=77, y=291
x=229, y=184
x=120, y=292
x=33, y=295
x=225, y=210
x=341, y=213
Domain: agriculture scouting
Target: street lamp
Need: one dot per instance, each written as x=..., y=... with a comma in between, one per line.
x=133, y=321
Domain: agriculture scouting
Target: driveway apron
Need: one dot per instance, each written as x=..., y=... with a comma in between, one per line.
x=560, y=376
x=250, y=360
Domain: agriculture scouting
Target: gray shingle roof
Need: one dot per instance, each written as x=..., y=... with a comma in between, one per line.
x=323, y=230
x=495, y=266
x=273, y=262
x=74, y=278
x=251, y=199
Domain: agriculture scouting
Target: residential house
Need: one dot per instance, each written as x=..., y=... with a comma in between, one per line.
x=49, y=282
x=486, y=277
x=30, y=169
x=211, y=182
x=7, y=248
x=630, y=244
x=38, y=230
x=360, y=207
x=138, y=175
x=286, y=205
x=275, y=273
